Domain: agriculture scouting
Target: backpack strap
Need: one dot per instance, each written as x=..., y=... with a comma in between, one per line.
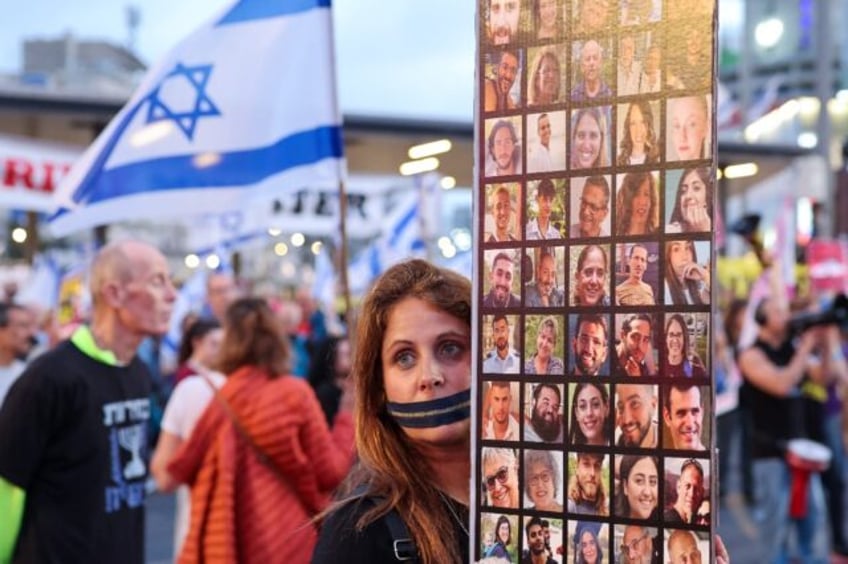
x=403, y=545
x=402, y=542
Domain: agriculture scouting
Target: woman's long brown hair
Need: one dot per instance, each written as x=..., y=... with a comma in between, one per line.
x=253, y=336
x=389, y=464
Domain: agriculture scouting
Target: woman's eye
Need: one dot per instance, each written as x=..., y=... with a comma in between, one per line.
x=405, y=359
x=452, y=350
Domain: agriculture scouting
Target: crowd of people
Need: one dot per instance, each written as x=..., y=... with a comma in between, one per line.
x=257, y=431
x=271, y=465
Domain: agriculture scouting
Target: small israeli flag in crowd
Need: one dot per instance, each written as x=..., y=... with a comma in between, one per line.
x=242, y=109
x=400, y=239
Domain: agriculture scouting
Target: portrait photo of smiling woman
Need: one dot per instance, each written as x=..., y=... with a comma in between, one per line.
x=500, y=477
x=589, y=414
x=689, y=200
x=588, y=542
x=543, y=480
x=637, y=207
x=590, y=138
x=639, y=142
x=637, y=487
x=500, y=536
x=590, y=275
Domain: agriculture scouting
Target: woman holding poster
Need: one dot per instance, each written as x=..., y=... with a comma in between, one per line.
x=412, y=374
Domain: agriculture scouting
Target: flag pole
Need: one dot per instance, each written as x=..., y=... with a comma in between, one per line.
x=341, y=263
x=341, y=256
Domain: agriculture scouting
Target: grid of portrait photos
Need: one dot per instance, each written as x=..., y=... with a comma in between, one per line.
x=595, y=195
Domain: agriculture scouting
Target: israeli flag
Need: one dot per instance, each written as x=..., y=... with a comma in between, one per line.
x=241, y=110
x=400, y=239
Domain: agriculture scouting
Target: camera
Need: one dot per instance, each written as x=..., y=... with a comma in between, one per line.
x=836, y=314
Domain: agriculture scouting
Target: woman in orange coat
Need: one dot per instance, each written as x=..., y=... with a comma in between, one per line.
x=261, y=461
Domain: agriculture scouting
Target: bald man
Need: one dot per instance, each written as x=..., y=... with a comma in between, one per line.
x=683, y=548
x=592, y=84
x=73, y=429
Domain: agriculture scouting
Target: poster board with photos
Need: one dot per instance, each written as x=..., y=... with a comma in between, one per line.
x=593, y=391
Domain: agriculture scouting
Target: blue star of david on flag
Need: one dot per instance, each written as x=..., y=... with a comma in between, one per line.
x=206, y=133
x=166, y=97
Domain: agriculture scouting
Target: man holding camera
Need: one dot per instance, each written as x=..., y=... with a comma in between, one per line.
x=774, y=368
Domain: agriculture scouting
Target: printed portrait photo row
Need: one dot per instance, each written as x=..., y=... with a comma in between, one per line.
x=671, y=491
x=629, y=275
x=598, y=414
x=585, y=541
x=665, y=345
x=644, y=58
x=508, y=22
x=635, y=204
x=590, y=138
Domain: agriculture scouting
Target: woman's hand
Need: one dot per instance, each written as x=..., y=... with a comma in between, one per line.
x=694, y=271
x=695, y=215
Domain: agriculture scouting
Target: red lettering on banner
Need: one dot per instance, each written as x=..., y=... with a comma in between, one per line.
x=52, y=174
x=18, y=171
x=39, y=178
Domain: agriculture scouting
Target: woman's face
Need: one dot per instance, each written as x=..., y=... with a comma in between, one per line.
x=587, y=141
x=589, y=548
x=206, y=348
x=343, y=356
x=693, y=192
x=548, y=79
x=591, y=414
x=688, y=127
x=426, y=355
x=680, y=255
x=640, y=489
x=547, y=17
x=641, y=204
x=545, y=342
x=674, y=342
x=591, y=279
x=636, y=124
x=503, y=532
x=541, y=487
x=694, y=44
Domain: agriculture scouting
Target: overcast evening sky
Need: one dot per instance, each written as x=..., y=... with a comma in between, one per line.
x=396, y=58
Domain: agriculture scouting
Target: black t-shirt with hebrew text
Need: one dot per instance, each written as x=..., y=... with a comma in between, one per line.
x=73, y=436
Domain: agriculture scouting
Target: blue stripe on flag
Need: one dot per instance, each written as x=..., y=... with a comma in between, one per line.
x=247, y=10
x=236, y=168
x=403, y=224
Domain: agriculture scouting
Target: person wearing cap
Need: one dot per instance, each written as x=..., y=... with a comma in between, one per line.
x=587, y=549
x=586, y=490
